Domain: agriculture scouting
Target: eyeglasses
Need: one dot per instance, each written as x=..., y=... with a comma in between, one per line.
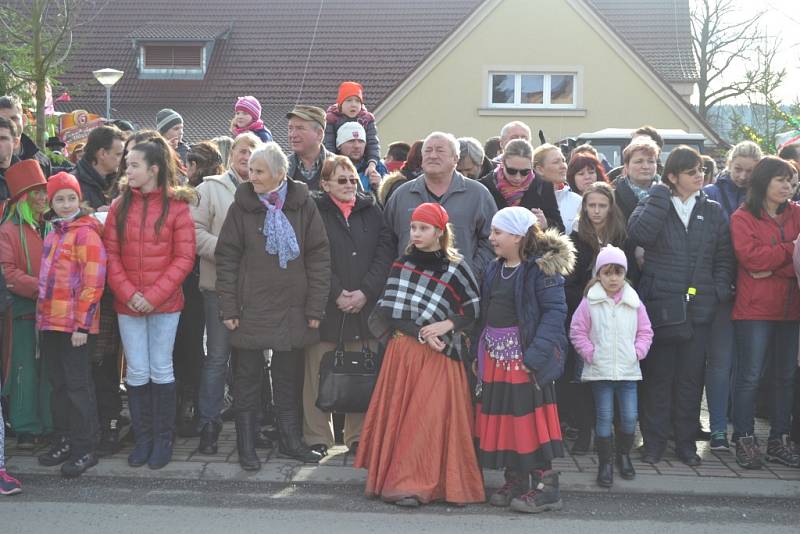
x=521, y=172
x=343, y=181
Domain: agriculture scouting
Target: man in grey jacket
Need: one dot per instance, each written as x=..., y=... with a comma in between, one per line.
x=469, y=204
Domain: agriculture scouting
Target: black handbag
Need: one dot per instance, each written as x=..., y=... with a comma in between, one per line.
x=670, y=316
x=347, y=379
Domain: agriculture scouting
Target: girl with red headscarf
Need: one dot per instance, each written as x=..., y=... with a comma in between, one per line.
x=417, y=436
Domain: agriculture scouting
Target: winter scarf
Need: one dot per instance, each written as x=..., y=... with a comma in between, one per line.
x=278, y=231
x=256, y=125
x=511, y=193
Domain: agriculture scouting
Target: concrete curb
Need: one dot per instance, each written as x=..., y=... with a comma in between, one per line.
x=294, y=472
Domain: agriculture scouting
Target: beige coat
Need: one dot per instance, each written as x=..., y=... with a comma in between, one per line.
x=216, y=196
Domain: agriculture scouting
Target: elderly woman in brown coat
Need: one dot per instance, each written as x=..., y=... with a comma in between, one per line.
x=273, y=280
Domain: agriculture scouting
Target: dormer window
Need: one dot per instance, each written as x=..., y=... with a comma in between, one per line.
x=177, y=52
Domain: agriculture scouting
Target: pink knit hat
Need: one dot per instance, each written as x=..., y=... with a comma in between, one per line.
x=610, y=255
x=250, y=105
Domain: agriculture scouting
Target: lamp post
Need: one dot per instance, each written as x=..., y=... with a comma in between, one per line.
x=108, y=77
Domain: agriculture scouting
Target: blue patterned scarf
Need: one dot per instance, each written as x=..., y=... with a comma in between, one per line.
x=280, y=236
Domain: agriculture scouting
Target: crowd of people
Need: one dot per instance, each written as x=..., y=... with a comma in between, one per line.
x=523, y=300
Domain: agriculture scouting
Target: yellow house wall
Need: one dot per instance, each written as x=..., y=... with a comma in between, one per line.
x=528, y=32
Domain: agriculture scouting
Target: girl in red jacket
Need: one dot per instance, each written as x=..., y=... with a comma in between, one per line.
x=766, y=314
x=149, y=237
x=71, y=281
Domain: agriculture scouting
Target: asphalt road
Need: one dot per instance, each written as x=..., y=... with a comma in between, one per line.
x=110, y=505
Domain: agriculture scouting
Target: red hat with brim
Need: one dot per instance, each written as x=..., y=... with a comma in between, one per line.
x=24, y=176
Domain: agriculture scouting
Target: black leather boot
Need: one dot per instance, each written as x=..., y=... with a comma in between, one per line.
x=605, y=470
x=209, y=435
x=287, y=381
x=246, y=441
x=164, y=402
x=140, y=402
x=624, y=445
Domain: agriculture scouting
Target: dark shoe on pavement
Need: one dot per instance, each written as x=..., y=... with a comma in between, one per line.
x=8, y=484
x=320, y=448
x=748, y=455
x=623, y=448
x=719, y=442
x=650, y=456
x=544, y=495
x=516, y=484
x=76, y=467
x=690, y=458
x=263, y=441
x=209, y=435
x=58, y=454
x=605, y=468
x=109, y=439
x=781, y=451
x=245, y=441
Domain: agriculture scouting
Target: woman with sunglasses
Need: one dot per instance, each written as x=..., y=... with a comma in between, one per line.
x=550, y=166
x=359, y=266
x=273, y=280
x=513, y=183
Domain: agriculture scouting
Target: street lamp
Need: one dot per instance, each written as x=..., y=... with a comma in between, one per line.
x=108, y=77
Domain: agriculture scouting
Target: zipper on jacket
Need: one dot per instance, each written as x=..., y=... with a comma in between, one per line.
x=141, y=243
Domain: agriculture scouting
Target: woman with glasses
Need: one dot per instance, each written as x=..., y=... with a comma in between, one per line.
x=359, y=266
x=514, y=183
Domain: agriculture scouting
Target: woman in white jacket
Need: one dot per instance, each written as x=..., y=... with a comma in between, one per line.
x=216, y=196
x=612, y=333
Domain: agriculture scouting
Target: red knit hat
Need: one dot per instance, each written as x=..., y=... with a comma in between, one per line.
x=431, y=213
x=348, y=89
x=24, y=176
x=62, y=180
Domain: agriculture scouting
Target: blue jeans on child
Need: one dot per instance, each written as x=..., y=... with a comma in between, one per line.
x=625, y=393
x=753, y=338
x=148, y=343
x=215, y=366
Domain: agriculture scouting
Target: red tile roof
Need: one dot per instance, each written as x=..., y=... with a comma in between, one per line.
x=376, y=42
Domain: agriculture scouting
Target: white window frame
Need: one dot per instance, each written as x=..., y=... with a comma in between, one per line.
x=171, y=72
x=542, y=70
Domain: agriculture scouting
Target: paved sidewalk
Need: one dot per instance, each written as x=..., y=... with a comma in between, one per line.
x=718, y=475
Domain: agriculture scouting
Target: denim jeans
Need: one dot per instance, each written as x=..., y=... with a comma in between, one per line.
x=148, y=343
x=753, y=339
x=604, y=393
x=215, y=364
x=719, y=368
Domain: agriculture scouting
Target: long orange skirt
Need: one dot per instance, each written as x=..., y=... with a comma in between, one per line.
x=417, y=436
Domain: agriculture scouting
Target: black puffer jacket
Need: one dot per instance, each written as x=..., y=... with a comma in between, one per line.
x=93, y=186
x=540, y=195
x=671, y=252
x=360, y=259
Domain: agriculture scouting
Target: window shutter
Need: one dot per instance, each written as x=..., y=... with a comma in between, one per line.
x=173, y=57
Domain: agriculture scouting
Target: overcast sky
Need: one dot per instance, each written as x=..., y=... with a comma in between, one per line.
x=782, y=20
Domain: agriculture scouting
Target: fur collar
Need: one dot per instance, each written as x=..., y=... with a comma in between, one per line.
x=597, y=294
x=556, y=253
x=387, y=184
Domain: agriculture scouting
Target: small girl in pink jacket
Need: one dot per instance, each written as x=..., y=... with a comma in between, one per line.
x=612, y=333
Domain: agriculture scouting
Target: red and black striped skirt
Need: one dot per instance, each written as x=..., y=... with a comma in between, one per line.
x=517, y=425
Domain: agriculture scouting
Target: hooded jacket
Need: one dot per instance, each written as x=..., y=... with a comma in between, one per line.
x=273, y=305
x=540, y=303
x=216, y=196
x=154, y=265
x=72, y=276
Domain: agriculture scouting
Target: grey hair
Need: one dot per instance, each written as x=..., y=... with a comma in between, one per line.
x=504, y=130
x=273, y=156
x=520, y=148
x=471, y=148
x=450, y=138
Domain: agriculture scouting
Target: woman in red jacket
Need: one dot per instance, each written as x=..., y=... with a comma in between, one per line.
x=150, y=241
x=767, y=309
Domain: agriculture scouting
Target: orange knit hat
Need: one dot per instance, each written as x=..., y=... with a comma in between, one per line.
x=348, y=89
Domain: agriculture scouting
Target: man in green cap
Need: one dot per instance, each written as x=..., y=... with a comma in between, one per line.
x=306, y=131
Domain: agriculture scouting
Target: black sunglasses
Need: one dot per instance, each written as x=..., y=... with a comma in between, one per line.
x=343, y=181
x=522, y=172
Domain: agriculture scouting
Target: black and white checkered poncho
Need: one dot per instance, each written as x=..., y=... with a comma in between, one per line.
x=425, y=287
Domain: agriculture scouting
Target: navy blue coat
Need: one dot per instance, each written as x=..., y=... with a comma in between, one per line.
x=541, y=306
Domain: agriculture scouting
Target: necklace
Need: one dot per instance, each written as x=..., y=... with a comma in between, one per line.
x=513, y=272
